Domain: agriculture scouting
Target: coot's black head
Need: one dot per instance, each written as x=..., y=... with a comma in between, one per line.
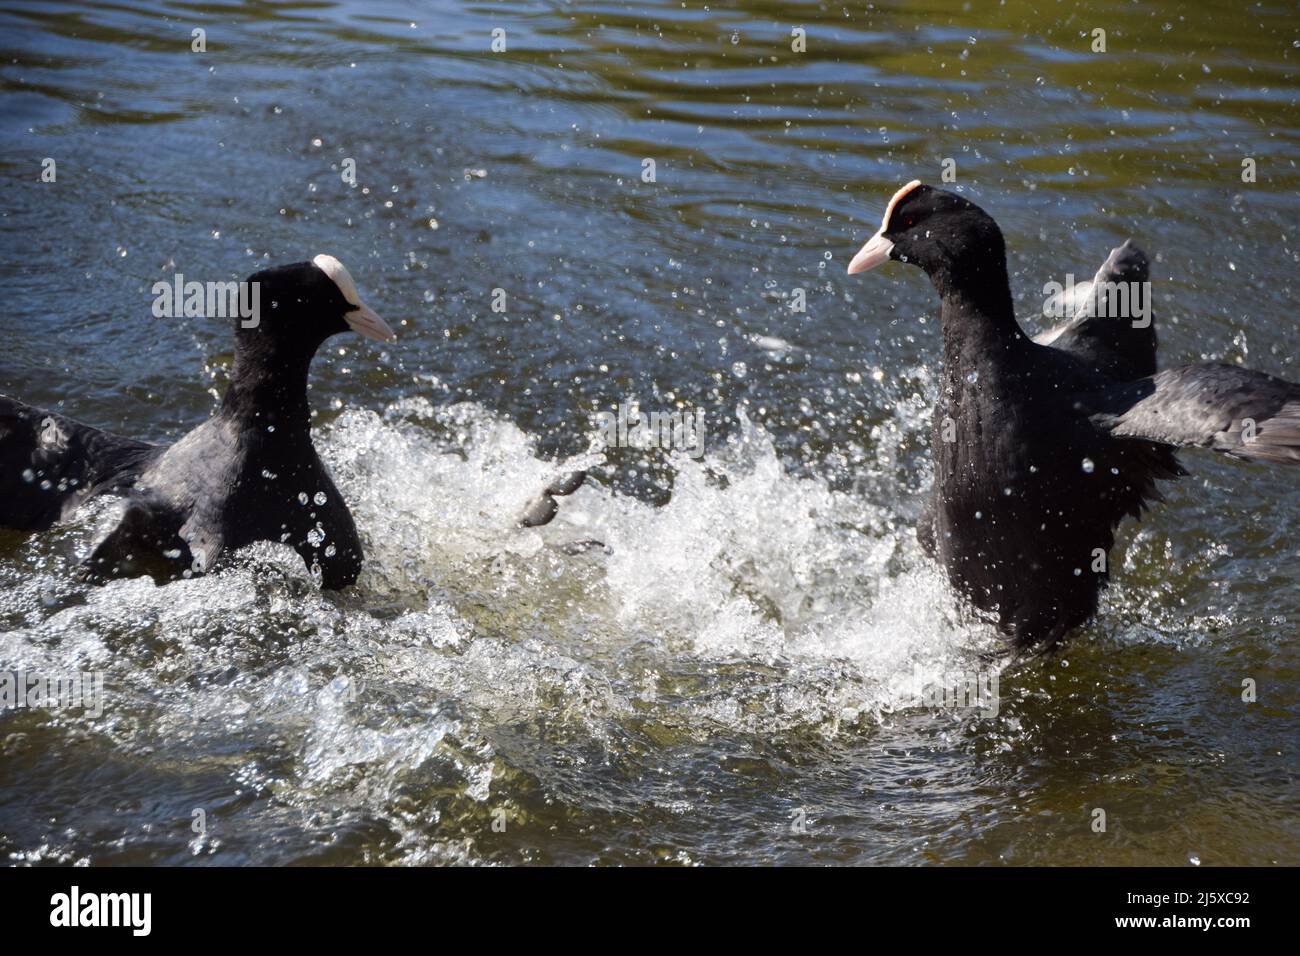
x=309, y=302
x=945, y=234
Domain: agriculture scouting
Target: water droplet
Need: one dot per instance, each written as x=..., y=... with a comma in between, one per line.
x=1088, y=466
x=302, y=498
x=320, y=498
x=973, y=377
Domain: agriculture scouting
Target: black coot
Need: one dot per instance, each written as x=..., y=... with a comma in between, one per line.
x=1041, y=448
x=250, y=473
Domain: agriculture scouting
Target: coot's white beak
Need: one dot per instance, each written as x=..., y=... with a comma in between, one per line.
x=877, y=248
x=872, y=254
x=360, y=318
x=364, y=320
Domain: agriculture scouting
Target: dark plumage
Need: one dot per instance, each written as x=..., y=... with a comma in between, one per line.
x=250, y=473
x=1094, y=334
x=1040, y=450
x=544, y=507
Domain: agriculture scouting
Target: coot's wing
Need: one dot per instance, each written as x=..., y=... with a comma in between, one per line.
x=1234, y=410
x=1109, y=324
x=143, y=538
x=49, y=464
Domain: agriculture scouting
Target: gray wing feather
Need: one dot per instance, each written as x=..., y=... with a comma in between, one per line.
x=1110, y=325
x=1239, y=412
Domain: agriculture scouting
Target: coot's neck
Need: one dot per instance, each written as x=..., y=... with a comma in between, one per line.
x=268, y=385
x=979, y=322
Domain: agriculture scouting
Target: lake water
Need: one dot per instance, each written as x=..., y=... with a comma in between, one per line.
x=738, y=677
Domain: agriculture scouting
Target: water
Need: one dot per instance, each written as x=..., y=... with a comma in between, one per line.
x=734, y=679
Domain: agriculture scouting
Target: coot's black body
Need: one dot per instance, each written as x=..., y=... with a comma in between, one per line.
x=250, y=473
x=1040, y=450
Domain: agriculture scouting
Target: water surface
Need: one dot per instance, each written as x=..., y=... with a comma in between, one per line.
x=734, y=681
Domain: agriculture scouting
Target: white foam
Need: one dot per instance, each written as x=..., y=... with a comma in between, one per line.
x=790, y=606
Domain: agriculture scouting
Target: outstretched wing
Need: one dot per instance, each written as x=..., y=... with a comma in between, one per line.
x=49, y=464
x=1110, y=325
x=1246, y=414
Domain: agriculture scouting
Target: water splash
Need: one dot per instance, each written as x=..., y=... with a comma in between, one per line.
x=755, y=602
